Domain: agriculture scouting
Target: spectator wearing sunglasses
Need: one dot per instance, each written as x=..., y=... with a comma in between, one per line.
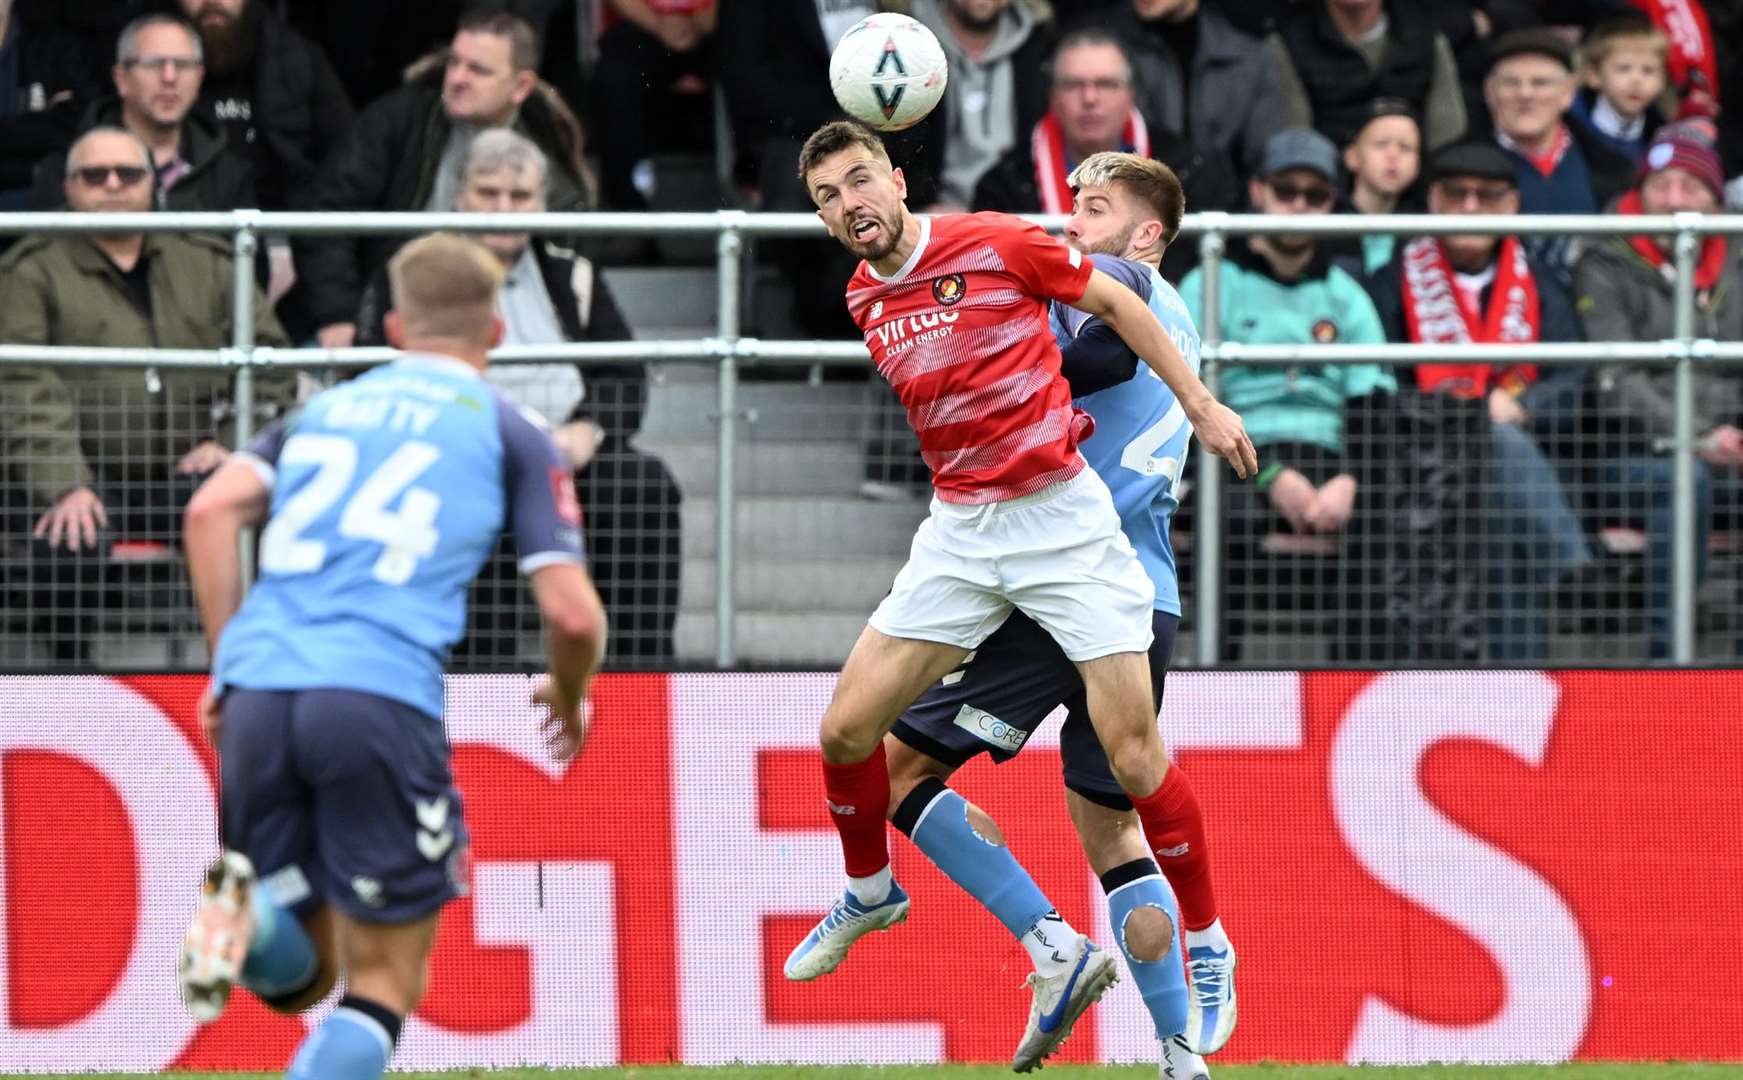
x=101, y=452
x=158, y=72
x=1308, y=421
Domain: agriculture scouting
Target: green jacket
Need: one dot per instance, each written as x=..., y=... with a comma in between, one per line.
x=59, y=428
x=1327, y=305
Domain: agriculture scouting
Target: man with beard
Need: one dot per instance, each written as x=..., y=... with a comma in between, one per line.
x=953, y=310
x=1127, y=210
x=275, y=92
x=159, y=68
x=1284, y=290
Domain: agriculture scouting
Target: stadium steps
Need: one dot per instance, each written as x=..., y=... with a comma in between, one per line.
x=847, y=586
x=850, y=530
x=781, y=639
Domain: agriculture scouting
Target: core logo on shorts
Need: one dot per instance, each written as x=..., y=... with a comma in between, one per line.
x=988, y=728
x=949, y=290
x=368, y=891
x=435, y=835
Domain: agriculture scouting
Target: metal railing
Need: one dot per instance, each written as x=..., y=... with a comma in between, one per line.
x=730, y=352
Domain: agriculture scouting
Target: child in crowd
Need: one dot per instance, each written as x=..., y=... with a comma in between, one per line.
x=1624, y=63
x=1383, y=161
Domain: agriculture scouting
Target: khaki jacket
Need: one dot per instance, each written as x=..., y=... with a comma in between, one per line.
x=62, y=428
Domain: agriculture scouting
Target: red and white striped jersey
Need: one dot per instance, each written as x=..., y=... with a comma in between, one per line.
x=960, y=332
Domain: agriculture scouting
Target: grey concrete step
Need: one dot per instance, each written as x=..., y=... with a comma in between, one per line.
x=683, y=402
x=798, y=639
x=664, y=296
x=764, y=467
x=807, y=527
x=794, y=585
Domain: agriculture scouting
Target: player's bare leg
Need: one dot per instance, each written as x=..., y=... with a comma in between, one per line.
x=387, y=970
x=883, y=675
x=1070, y=974
x=1143, y=913
x=1124, y=716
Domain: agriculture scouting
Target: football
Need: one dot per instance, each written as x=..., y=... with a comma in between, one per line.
x=888, y=71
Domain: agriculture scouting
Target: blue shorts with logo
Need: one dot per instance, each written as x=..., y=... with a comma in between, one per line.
x=996, y=700
x=344, y=798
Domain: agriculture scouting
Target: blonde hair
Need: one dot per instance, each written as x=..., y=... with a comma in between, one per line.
x=1624, y=32
x=444, y=286
x=1148, y=180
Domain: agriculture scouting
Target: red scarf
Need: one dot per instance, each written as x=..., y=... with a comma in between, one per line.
x=1436, y=312
x=1047, y=149
x=1547, y=161
x=1691, y=42
x=1707, y=271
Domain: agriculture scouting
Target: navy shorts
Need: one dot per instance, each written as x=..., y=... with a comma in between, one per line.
x=343, y=798
x=1000, y=695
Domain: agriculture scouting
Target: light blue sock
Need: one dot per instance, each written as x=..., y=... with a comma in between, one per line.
x=281, y=959
x=1161, y=983
x=985, y=870
x=351, y=1045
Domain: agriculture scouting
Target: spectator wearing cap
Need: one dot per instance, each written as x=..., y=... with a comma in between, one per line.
x=1383, y=160
x=1343, y=54
x=1308, y=421
x=1464, y=289
x=1561, y=169
x=1626, y=287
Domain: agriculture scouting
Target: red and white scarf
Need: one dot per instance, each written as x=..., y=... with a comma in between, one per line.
x=1437, y=312
x=1047, y=150
x=1713, y=250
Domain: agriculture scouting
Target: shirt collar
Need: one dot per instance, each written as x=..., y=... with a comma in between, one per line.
x=913, y=259
x=446, y=365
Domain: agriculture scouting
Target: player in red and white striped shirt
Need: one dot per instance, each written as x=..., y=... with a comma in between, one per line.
x=954, y=311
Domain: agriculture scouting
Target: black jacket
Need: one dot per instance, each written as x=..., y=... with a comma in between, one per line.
x=774, y=68
x=56, y=82
x=288, y=108
x=1341, y=87
x=388, y=161
x=221, y=178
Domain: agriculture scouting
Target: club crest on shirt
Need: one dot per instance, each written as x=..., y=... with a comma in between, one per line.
x=949, y=290
x=1325, y=331
x=563, y=492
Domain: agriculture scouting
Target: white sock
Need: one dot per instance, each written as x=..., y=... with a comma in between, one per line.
x=1211, y=937
x=874, y=890
x=1051, y=944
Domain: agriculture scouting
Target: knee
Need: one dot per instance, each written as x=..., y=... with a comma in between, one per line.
x=292, y=1004
x=846, y=740
x=1138, y=763
x=1148, y=934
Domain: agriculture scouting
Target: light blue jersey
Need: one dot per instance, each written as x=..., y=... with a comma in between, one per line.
x=388, y=495
x=1141, y=434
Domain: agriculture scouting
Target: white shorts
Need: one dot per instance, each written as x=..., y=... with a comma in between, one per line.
x=1058, y=554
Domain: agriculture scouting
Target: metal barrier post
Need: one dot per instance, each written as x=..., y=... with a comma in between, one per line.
x=1682, y=528
x=728, y=248
x=243, y=247
x=1208, y=549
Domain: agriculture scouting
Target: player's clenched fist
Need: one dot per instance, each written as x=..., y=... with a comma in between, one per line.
x=1220, y=429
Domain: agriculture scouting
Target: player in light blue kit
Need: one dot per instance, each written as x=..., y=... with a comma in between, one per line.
x=1124, y=206
x=381, y=499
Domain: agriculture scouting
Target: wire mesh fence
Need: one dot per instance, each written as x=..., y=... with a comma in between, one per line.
x=1437, y=533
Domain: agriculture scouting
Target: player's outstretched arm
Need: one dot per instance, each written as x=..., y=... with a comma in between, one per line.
x=232, y=499
x=574, y=645
x=1217, y=426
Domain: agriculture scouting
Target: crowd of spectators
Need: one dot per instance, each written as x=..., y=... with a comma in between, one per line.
x=1283, y=106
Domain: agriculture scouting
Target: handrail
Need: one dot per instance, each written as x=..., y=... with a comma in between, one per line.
x=729, y=351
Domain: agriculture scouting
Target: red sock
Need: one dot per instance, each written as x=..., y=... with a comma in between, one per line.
x=1174, y=828
x=859, y=797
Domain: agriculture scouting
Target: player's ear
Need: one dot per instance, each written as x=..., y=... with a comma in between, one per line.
x=901, y=182
x=395, y=330
x=498, y=330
